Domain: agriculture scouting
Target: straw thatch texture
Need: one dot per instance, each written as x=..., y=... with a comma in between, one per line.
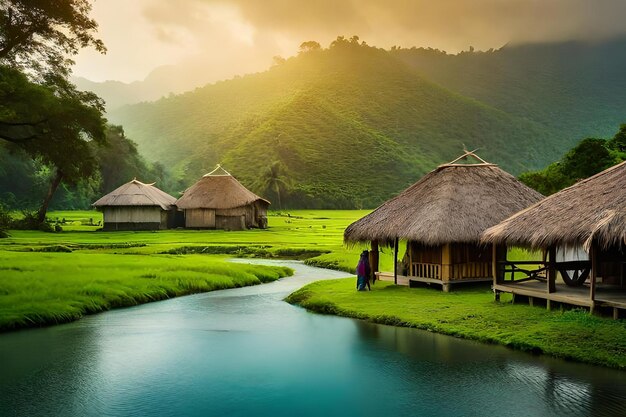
x=453, y=203
x=591, y=210
x=136, y=193
x=217, y=192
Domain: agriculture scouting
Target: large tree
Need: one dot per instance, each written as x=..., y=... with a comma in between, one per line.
x=40, y=36
x=40, y=110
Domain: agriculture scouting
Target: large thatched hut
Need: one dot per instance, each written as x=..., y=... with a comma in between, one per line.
x=589, y=216
x=137, y=206
x=219, y=201
x=441, y=217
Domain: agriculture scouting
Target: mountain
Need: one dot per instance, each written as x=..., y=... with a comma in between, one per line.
x=578, y=88
x=160, y=82
x=351, y=125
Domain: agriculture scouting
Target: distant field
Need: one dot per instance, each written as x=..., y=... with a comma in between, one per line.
x=316, y=235
x=48, y=278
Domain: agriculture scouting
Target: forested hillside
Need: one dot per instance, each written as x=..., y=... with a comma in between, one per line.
x=575, y=88
x=346, y=126
x=351, y=125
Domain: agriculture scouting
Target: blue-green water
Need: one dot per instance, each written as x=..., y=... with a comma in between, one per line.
x=245, y=352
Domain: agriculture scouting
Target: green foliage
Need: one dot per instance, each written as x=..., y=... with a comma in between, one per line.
x=39, y=34
x=41, y=112
x=547, y=181
x=24, y=181
x=618, y=142
x=568, y=88
x=5, y=221
x=589, y=157
x=472, y=314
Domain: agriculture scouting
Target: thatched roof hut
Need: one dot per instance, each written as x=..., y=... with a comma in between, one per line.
x=219, y=201
x=442, y=217
x=589, y=215
x=591, y=210
x=136, y=206
x=453, y=203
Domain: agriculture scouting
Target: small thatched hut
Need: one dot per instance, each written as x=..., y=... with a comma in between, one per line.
x=441, y=217
x=137, y=206
x=219, y=201
x=589, y=215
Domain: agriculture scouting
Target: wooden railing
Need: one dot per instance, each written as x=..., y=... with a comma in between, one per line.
x=424, y=270
x=471, y=270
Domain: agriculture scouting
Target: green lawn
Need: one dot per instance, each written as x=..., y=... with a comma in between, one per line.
x=48, y=278
x=473, y=314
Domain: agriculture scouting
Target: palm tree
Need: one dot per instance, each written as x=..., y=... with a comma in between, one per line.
x=274, y=179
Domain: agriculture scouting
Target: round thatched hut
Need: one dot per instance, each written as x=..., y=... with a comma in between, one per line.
x=137, y=206
x=591, y=215
x=442, y=217
x=219, y=201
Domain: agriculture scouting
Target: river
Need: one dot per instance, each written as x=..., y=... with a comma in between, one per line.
x=245, y=352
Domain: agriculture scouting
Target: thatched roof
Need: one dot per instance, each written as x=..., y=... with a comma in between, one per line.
x=136, y=193
x=217, y=190
x=453, y=203
x=593, y=209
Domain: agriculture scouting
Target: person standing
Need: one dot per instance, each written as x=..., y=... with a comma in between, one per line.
x=363, y=271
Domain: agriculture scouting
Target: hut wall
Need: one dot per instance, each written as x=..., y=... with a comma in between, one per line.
x=423, y=261
x=470, y=261
x=449, y=262
x=200, y=218
x=134, y=218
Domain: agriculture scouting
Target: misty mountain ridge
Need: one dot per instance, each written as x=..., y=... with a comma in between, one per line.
x=352, y=125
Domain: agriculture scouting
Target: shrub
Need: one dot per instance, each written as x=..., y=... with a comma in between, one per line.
x=5, y=221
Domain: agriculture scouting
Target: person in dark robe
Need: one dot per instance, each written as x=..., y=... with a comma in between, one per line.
x=363, y=272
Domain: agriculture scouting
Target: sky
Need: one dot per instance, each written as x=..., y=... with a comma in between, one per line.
x=219, y=39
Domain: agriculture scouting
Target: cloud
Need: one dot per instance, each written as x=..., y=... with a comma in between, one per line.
x=452, y=24
x=228, y=37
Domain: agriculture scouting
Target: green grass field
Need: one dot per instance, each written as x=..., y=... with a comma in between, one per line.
x=48, y=278
x=48, y=288
x=472, y=313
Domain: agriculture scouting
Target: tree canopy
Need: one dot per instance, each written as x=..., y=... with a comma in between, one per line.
x=39, y=36
x=589, y=157
x=41, y=112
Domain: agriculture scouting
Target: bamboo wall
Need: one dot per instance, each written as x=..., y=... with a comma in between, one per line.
x=451, y=262
x=134, y=218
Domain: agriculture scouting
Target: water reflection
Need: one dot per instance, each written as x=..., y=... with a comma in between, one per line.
x=245, y=352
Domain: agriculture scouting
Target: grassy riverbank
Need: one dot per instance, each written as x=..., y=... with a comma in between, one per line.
x=48, y=278
x=50, y=288
x=472, y=314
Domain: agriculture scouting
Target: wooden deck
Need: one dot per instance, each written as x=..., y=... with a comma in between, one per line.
x=405, y=280
x=606, y=296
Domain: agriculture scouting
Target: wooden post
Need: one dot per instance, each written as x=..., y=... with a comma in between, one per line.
x=446, y=267
x=593, y=255
x=494, y=270
x=410, y=250
x=374, y=259
x=395, y=261
x=552, y=269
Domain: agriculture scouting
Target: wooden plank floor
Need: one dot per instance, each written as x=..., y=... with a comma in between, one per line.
x=605, y=295
x=404, y=280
